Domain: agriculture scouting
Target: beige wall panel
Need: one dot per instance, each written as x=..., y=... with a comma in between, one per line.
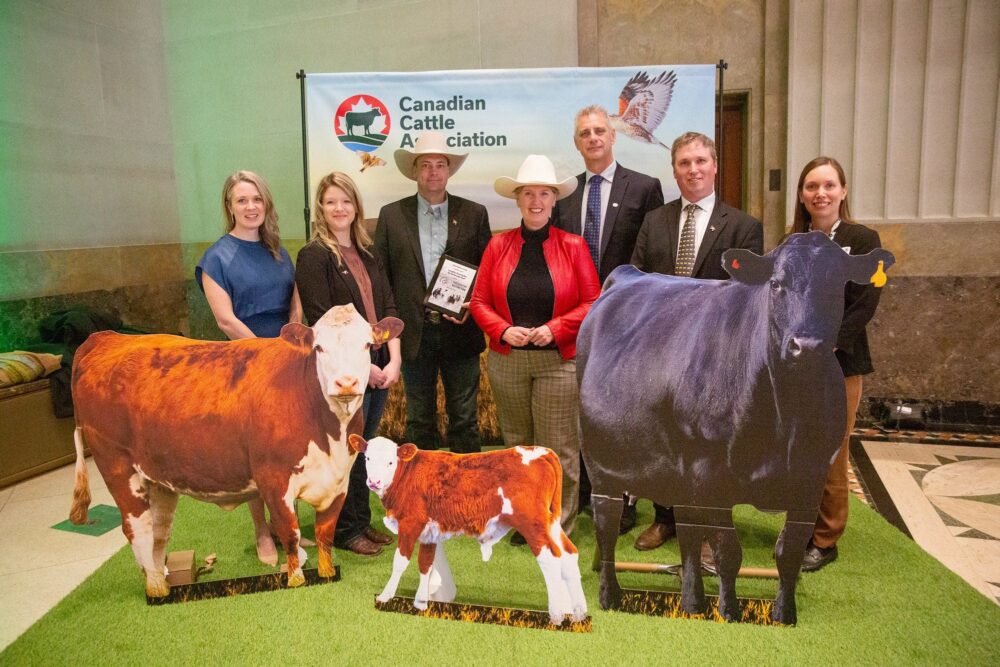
x=871, y=110
x=839, y=65
x=805, y=94
x=978, y=123
x=906, y=98
x=945, y=38
x=500, y=21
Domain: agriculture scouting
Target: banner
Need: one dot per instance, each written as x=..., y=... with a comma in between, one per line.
x=355, y=122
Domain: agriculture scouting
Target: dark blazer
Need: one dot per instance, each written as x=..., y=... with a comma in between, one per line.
x=397, y=243
x=860, y=302
x=323, y=284
x=633, y=195
x=656, y=246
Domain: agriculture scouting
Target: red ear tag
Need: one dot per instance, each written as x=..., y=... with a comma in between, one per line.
x=736, y=264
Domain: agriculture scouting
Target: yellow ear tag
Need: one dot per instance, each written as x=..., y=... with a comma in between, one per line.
x=385, y=334
x=879, y=278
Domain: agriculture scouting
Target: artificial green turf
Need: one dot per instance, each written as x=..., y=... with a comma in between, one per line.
x=883, y=601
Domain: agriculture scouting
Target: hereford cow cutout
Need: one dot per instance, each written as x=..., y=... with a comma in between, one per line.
x=704, y=394
x=431, y=496
x=224, y=422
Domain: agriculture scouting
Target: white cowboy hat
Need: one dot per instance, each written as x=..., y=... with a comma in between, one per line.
x=535, y=170
x=427, y=143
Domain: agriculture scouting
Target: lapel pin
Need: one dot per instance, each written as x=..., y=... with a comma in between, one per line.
x=615, y=204
x=712, y=228
x=454, y=222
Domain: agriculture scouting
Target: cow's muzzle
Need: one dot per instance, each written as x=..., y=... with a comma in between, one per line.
x=802, y=348
x=347, y=385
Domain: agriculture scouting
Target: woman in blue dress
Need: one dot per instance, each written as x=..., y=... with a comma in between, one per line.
x=249, y=282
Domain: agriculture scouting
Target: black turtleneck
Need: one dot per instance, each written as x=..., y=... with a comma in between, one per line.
x=530, y=294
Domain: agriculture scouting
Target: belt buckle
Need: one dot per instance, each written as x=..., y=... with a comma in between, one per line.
x=433, y=316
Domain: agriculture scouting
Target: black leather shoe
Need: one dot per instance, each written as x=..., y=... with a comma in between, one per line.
x=517, y=539
x=628, y=519
x=655, y=535
x=817, y=557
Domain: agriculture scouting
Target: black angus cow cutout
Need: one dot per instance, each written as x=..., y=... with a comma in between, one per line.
x=705, y=394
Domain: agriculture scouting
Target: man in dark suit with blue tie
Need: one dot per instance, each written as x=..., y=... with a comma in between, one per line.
x=607, y=210
x=687, y=237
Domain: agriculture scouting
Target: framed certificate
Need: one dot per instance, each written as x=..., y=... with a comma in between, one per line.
x=451, y=286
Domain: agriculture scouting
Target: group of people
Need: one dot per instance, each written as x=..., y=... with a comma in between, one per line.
x=535, y=284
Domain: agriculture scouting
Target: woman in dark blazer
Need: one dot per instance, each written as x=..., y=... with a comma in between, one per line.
x=822, y=206
x=336, y=268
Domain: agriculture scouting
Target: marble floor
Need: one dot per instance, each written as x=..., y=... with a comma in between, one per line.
x=946, y=497
x=39, y=566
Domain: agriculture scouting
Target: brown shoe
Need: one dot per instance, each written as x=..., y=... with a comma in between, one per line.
x=655, y=535
x=708, y=560
x=377, y=536
x=362, y=546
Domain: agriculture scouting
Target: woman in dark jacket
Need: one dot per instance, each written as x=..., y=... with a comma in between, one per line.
x=822, y=205
x=336, y=268
x=534, y=287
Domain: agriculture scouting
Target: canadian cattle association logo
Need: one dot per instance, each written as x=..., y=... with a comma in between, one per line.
x=362, y=123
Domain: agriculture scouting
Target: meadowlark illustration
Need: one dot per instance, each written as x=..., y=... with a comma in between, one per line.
x=369, y=160
x=642, y=104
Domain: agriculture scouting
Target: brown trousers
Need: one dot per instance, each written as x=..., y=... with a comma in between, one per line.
x=832, y=519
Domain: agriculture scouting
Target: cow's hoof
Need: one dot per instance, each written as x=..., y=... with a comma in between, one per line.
x=610, y=599
x=326, y=570
x=157, y=588
x=383, y=598
x=579, y=614
x=296, y=578
x=420, y=604
x=557, y=619
x=783, y=616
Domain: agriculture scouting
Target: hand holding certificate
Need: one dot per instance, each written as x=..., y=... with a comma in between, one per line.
x=451, y=287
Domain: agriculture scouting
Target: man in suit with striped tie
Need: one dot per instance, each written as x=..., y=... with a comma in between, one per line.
x=606, y=209
x=686, y=237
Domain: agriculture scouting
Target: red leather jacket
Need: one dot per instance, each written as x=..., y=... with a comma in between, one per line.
x=573, y=278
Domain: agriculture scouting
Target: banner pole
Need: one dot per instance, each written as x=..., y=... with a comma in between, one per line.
x=720, y=140
x=301, y=76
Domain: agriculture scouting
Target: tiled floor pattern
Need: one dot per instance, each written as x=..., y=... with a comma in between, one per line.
x=949, y=497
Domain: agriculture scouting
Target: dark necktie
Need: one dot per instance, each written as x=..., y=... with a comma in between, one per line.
x=592, y=223
x=685, y=252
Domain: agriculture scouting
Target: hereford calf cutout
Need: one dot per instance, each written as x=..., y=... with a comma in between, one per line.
x=224, y=422
x=431, y=496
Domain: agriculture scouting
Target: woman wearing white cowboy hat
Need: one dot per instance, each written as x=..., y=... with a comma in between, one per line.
x=535, y=285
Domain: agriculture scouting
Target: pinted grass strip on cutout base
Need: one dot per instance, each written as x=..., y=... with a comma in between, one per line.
x=223, y=588
x=474, y=613
x=100, y=519
x=668, y=604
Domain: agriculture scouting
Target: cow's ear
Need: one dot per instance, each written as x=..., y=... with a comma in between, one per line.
x=746, y=266
x=297, y=334
x=406, y=452
x=385, y=330
x=870, y=268
x=356, y=443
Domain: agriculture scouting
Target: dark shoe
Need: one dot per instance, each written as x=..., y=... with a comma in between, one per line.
x=517, y=540
x=818, y=557
x=708, y=560
x=655, y=535
x=628, y=519
x=377, y=536
x=362, y=546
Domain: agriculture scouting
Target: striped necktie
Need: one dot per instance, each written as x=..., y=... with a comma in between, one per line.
x=592, y=223
x=684, y=265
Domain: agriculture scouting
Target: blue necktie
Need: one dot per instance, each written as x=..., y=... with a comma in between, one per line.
x=592, y=223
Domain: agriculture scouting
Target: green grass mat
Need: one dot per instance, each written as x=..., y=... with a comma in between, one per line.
x=100, y=519
x=883, y=601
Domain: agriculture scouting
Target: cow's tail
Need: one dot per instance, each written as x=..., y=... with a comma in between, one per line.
x=81, y=488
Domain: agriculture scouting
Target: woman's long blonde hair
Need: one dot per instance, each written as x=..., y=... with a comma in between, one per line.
x=270, y=236
x=321, y=231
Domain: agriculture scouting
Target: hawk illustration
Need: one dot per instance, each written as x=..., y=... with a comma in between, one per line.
x=369, y=160
x=642, y=104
